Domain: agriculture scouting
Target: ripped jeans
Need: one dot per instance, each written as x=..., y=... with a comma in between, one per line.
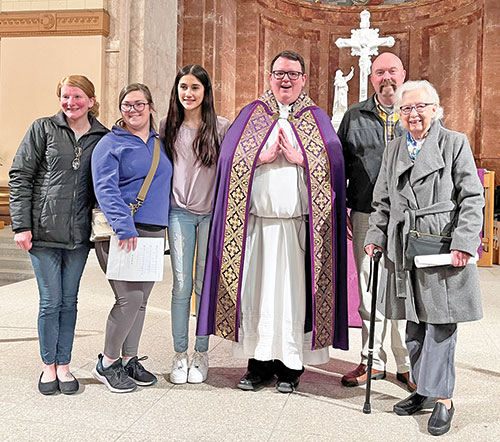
x=185, y=231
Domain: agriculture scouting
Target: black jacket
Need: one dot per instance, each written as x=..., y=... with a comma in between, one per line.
x=47, y=196
x=361, y=133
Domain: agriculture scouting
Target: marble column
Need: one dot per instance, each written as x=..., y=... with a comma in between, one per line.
x=141, y=47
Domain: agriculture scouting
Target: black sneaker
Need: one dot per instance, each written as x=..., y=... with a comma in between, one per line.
x=138, y=373
x=114, y=377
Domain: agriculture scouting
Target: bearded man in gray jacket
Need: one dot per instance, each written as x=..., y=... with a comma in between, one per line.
x=364, y=132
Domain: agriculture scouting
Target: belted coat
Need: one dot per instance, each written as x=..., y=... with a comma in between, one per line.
x=442, y=192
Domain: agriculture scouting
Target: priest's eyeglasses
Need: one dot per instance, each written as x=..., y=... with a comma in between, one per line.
x=292, y=75
x=127, y=107
x=75, y=164
x=420, y=108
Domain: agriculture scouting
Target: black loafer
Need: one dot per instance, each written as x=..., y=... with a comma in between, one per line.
x=47, y=388
x=287, y=386
x=440, y=420
x=252, y=381
x=69, y=387
x=413, y=403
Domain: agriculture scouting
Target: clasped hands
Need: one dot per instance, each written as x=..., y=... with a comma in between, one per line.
x=282, y=144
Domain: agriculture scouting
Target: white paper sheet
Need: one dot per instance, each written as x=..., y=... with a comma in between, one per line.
x=143, y=264
x=444, y=259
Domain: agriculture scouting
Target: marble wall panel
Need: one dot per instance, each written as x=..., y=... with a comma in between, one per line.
x=247, y=53
x=142, y=47
x=490, y=87
x=452, y=43
x=451, y=60
x=210, y=30
x=192, y=33
x=226, y=41
x=277, y=37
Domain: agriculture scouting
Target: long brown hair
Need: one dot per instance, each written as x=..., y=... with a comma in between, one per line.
x=85, y=85
x=206, y=144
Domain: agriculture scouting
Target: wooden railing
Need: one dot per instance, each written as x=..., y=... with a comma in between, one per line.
x=489, y=208
x=4, y=206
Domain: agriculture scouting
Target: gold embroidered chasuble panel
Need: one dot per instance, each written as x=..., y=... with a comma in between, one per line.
x=320, y=216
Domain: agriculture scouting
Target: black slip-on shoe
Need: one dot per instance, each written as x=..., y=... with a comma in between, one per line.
x=440, y=420
x=413, y=403
x=69, y=387
x=47, y=388
x=287, y=386
x=252, y=381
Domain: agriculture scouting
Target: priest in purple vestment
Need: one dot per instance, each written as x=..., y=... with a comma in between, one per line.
x=276, y=271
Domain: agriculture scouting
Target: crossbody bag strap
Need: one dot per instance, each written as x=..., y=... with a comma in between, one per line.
x=141, y=196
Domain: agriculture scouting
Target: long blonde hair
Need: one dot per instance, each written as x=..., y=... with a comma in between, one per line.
x=85, y=85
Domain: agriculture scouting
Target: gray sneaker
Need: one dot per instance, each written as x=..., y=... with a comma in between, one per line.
x=138, y=373
x=114, y=377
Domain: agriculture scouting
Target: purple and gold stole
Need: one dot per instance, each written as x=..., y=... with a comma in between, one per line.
x=321, y=218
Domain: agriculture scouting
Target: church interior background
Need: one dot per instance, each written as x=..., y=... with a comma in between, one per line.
x=452, y=43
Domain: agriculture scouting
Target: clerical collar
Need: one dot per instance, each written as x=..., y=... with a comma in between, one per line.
x=284, y=110
x=388, y=110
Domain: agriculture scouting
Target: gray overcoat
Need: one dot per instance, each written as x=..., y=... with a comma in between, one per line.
x=442, y=190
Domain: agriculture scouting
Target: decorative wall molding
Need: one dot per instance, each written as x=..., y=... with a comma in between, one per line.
x=47, y=23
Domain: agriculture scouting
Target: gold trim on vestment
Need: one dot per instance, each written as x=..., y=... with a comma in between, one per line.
x=320, y=216
x=252, y=138
x=321, y=220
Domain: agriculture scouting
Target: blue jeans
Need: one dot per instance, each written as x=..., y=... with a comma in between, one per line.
x=185, y=230
x=58, y=273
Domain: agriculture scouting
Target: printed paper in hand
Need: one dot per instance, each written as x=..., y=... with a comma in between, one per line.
x=143, y=264
x=444, y=259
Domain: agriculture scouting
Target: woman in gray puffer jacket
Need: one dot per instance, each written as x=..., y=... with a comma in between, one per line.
x=51, y=199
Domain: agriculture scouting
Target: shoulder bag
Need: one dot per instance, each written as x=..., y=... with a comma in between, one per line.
x=100, y=228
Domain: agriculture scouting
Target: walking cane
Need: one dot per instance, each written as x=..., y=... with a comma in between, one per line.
x=377, y=254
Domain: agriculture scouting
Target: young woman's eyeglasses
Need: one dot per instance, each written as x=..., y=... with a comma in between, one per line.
x=292, y=75
x=127, y=107
x=75, y=164
x=420, y=108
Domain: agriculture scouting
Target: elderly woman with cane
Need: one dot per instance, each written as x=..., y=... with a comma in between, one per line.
x=428, y=191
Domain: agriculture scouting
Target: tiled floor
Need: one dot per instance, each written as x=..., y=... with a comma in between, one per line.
x=322, y=410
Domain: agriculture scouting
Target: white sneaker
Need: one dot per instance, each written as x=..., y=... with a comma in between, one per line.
x=198, y=369
x=179, y=373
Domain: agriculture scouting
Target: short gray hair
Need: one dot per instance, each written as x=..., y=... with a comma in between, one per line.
x=419, y=84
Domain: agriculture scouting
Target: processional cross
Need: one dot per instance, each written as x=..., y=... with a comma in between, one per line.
x=364, y=43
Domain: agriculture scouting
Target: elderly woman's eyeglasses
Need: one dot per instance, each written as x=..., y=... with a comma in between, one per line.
x=76, y=161
x=292, y=75
x=420, y=108
x=127, y=107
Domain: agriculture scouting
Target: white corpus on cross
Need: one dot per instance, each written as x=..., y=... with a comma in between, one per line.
x=364, y=43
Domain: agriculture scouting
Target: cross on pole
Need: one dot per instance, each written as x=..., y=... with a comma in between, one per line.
x=364, y=43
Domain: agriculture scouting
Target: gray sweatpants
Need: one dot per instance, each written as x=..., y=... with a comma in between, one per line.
x=126, y=318
x=432, y=356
